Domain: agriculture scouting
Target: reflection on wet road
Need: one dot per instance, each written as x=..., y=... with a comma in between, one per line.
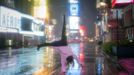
x=20, y=62
x=29, y=61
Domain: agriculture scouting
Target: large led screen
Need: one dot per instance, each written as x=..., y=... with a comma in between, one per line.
x=74, y=22
x=74, y=10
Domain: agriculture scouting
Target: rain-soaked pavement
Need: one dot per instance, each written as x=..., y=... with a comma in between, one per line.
x=29, y=61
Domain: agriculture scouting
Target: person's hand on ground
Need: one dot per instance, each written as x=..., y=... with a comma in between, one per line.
x=81, y=66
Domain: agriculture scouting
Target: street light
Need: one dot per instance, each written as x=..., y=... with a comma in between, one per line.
x=101, y=5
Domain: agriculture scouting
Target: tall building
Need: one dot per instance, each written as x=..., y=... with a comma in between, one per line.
x=24, y=6
x=7, y=3
x=73, y=19
x=127, y=17
x=19, y=29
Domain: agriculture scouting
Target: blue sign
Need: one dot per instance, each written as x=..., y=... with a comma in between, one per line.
x=74, y=9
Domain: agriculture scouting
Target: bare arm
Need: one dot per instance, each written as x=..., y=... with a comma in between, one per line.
x=77, y=59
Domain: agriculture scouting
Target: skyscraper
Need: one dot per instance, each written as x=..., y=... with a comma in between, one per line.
x=24, y=6
x=7, y=3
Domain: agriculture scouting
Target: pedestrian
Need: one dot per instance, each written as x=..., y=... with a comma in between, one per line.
x=65, y=51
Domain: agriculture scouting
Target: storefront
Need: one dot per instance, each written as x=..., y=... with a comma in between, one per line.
x=128, y=21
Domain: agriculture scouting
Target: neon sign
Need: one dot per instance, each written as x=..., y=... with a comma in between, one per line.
x=115, y=2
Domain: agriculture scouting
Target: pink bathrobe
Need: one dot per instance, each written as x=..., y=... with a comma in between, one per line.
x=65, y=51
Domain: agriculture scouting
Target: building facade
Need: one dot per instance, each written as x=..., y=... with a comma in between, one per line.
x=24, y=6
x=124, y=11
x=18, y=29
x=115, y=22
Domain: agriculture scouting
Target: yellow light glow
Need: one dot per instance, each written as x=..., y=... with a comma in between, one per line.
x=102, y=4
x=43, y=71
x=40, y=10
x=47, y=17
x=42, y=2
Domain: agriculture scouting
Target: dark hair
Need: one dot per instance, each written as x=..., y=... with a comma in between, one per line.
x=70, y=60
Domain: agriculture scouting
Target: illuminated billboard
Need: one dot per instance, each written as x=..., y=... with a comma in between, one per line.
x=74, y=10
x=74, y=22
x=9, y=19
x=74, y=16
x=73, y=1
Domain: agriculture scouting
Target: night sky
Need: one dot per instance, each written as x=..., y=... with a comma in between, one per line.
x=87, y=13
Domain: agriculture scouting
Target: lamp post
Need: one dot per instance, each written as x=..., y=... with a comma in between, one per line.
x=117, y=27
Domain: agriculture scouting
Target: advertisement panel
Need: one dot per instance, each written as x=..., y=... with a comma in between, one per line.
x=73, y=1
x=74, y=22
x=9, y=18
x=74, y=16
x=74, y=10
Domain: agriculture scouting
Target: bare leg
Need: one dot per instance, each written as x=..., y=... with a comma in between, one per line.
x=62, y=42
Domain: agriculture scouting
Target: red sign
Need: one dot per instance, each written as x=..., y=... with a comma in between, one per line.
x=120, y=2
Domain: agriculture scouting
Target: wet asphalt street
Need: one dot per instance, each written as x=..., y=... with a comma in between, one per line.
x=29, y=61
